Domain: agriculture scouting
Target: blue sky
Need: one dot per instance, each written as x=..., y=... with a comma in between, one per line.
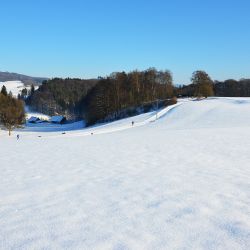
x=90, y=38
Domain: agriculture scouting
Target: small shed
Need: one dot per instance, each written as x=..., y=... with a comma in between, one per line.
x=59, y=119
x=33, y=119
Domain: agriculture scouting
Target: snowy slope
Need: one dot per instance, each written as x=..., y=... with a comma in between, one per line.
x=75, y=129
x=211, y=113
x=14, y=86
x=181, y=182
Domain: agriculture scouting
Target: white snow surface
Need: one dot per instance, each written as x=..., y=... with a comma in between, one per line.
x=15, y=87
x=180, y=182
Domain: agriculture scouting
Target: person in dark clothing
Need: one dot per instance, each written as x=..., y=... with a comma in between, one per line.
x=17, y=136
x=133, y=123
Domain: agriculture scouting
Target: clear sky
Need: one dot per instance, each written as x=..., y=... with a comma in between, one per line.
x=90, y=38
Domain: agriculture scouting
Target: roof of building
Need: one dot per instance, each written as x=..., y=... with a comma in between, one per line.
x=33, y=119
x=57, y=118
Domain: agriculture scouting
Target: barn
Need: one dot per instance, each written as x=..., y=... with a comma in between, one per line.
x=58, y=119
x=33, y=119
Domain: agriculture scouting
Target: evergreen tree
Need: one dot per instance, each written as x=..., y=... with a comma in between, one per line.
x=32, y=90
x=4, y=91
x=24, y=93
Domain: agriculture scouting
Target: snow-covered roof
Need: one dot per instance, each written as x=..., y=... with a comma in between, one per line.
x=57, y=118
x=33, y=119
x=30, y=113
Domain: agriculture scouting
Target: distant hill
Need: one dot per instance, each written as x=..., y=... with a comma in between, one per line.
x=27, y=80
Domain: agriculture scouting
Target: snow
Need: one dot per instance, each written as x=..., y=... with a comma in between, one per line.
x=30, y=113
x=179, y=182
x=45, y=127
x=15, y=87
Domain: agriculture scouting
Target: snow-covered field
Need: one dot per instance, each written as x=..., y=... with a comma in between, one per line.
x=14, y=86
x=180, y=182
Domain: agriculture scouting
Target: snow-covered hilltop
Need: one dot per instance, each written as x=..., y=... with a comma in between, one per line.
x=179, y=182
x=15, y=87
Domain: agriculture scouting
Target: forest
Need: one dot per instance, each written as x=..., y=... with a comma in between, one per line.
x=116, y=96
x=227, y=88
x=60, y=96
x=125, y=94
x=232, y=88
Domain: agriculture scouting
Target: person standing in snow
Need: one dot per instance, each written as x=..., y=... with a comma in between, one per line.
x=17, y=136
x=133, y=123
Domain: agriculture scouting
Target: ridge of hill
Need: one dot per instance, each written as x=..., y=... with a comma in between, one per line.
x=27, y=80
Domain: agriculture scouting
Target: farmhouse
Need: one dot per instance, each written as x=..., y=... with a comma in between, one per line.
x=59, y=119
x=33, y=119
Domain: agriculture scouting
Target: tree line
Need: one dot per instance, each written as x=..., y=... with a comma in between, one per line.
x=124, y=94
x=232, y=88
x=203, y=85
x=112, y=97
x=108, y=98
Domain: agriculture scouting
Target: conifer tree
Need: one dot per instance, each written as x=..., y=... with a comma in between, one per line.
x=32, y=90
x=4, y=91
